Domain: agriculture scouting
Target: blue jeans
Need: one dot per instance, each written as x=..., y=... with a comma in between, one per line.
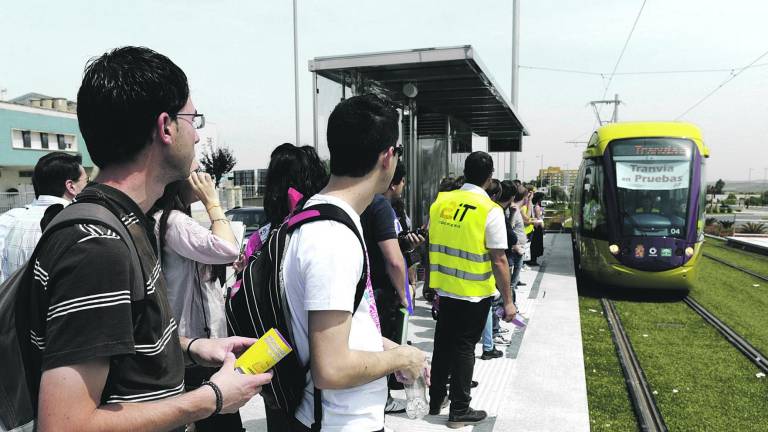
x=488, y=333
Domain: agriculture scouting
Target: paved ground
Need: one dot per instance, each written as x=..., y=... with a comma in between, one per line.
x=539, y=384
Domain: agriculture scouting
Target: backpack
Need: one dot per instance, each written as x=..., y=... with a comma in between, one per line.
x=261, y=304
x=18, y=399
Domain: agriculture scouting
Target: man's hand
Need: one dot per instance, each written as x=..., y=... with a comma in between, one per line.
x=414, y=240
x=236, y=388
x=213, y=352
x=509, y=312
x=415, y=360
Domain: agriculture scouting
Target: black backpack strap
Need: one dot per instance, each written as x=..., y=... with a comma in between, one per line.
x=91, y=213
x=334, y=213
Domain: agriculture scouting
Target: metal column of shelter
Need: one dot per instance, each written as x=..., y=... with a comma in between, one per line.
x=445, y=96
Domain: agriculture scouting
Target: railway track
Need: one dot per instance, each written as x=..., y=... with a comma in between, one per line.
x=649, y=417
x=729, y=264
x=755, y=356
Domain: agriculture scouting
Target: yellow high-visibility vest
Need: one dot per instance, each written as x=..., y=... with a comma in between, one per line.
x=459, y=262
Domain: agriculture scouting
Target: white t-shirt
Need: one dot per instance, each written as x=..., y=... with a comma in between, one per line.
x=495, y=234
x=321, y=269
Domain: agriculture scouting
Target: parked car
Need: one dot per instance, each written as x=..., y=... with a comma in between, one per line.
x=252, y=217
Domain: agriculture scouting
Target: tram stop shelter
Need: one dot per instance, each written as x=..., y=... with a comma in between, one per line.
x=445, y=97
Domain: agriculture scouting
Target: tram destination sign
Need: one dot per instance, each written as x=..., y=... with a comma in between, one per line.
x=650, y=147
x=657, y=175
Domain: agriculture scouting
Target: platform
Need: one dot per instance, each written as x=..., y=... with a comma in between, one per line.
x=757, y=244
x=539, y=384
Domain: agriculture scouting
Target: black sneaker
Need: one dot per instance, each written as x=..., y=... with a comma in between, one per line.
x=436, y=410
x=521, y=284
x=492, y=354
x=474, y=384
x=456, y=421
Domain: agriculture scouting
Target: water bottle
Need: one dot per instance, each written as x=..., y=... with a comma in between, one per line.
x=416, y=405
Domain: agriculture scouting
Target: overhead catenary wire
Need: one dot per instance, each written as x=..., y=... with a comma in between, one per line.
x=721, y=85
x=623, y=49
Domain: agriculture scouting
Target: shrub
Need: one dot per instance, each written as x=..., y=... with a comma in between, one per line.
x=726, y=223
x=753, y=228
x=710, y=221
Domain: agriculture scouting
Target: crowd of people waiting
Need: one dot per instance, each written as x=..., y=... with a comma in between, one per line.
x=98, y=359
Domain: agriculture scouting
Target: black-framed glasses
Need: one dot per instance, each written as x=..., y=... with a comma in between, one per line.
x=198, y=120
x=399, y=151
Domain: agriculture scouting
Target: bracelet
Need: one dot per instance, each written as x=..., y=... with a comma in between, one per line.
x=225, y=220
x=213, y=206
x=189, y=353
x=219, y=397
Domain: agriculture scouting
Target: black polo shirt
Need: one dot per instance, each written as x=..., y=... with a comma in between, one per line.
x=81, y=307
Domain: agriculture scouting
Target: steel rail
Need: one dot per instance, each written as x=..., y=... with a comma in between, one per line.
x=721, y=261
x=647, y=412
x=752, y=353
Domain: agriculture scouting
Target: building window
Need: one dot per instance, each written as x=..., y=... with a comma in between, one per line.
x=60, y=140
x=44, y=140
x=26, y=138
x=25, y=174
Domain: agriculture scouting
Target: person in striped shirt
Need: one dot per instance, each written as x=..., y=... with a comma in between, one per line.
x=100, y=361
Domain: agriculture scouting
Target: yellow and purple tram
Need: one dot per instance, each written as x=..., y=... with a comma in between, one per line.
x=638, y=205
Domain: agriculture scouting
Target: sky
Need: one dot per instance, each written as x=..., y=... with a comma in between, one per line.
x=238, y=56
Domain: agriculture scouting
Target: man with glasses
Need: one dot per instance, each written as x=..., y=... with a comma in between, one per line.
x=323, y=265
x=102, y=361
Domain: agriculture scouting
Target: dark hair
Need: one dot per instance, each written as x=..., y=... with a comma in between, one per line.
x=122, y=94
x=459, y=182
x=494, y=189
x=517, y=182
x=399, y=173
x=537, y=197
x=507, y=190
x=359, y=129
x=318, y=169
x=447, y=184
x=398, y=205
x=478, y=167
x=295, y=167
x=169, y=201
x=52, y=172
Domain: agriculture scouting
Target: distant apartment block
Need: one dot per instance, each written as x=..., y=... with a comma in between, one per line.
x=31, y=126
x=554, y=176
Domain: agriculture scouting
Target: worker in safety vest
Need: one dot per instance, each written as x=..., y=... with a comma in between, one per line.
x=467, y=264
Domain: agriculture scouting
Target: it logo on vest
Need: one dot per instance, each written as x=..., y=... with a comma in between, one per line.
x=456, y=212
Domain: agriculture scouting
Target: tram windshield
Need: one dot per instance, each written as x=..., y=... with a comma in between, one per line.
x=653, y=177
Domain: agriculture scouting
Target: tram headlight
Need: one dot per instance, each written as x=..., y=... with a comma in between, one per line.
x=689, y=251
x=614, y=249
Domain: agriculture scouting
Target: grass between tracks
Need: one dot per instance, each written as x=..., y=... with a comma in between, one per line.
x=701, y=382
x=609, y=405
x=731, y=295
x=748, y=260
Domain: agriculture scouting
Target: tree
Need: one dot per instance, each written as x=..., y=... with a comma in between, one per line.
x=558, y=194
x=218, y=162
x=719, y=185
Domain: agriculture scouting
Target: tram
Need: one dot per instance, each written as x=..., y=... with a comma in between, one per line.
x=638, y=205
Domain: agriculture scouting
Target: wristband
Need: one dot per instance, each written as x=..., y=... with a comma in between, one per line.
x=219, y=397
x=225, y=220
x=189, y=353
